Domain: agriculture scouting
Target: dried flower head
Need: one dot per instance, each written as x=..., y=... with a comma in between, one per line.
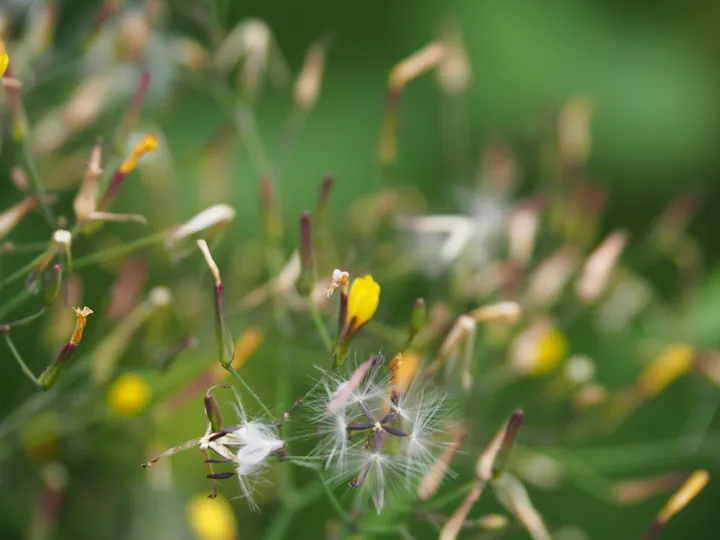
x=247, y=446
x=379, y=435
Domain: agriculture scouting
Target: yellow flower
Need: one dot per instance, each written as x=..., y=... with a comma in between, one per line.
x=4, y=61
x=147, y=144
x=211, y=519
x=362, y=301
x=675, y=359
x=80, y=323
x=129, y=395
x=550, y=350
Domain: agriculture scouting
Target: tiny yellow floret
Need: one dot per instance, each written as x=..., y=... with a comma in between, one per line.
x=148, y=143
x=363, y=300
x=129, y=395
x=211, y=519
x=550, y=350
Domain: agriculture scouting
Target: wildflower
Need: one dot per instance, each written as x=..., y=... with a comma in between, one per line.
x=362, y=301
x=211, y=519
x=49, y=377
x=4, y=61
x=246, y=445
x=129, y=395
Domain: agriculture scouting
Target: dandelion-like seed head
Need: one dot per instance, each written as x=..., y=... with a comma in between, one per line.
x=376, y=434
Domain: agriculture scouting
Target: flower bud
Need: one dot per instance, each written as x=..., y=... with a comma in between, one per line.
x=307, y=259
x=52, y=287
x=50, y=376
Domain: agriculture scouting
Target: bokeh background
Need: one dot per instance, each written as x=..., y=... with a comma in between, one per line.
x=650, y=71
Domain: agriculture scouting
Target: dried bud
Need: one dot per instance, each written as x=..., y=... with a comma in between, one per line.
x=523, y=226
x=50, y=376
x=52, y=287
x=307, y=86
x=512, y=495
x=678, y=501
x=452, y=528
x=574, y=131
x=550, y=277
x=453, y=71
x=491, y=463
x=13, y=215
x=307, y=257
x=508, y=312
x=215, y=217
x=212, y=411
x=595, y=276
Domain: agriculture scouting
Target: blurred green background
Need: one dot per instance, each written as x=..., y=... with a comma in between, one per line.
x=652, y=73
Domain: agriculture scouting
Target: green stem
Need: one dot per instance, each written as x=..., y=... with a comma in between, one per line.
x=119, y=251
x=20, y=273
x=20, y=361
x=34, y=176
x=320, y=326
x=279, y=526
x=15, y=301
x=341, y=512
x=248, y=388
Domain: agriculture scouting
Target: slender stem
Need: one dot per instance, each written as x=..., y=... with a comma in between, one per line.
x=5, y=327
x=20, y=361
x=15, y=301
x=119, y=251
x=34, y=176
x=19, y=273
x=248, y=388
x=320, y=326
x=279, y=526
x=341, y=512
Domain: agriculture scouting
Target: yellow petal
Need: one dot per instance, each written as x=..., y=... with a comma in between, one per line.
x=363, y=300
x=149, y=143
x=4, y=61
